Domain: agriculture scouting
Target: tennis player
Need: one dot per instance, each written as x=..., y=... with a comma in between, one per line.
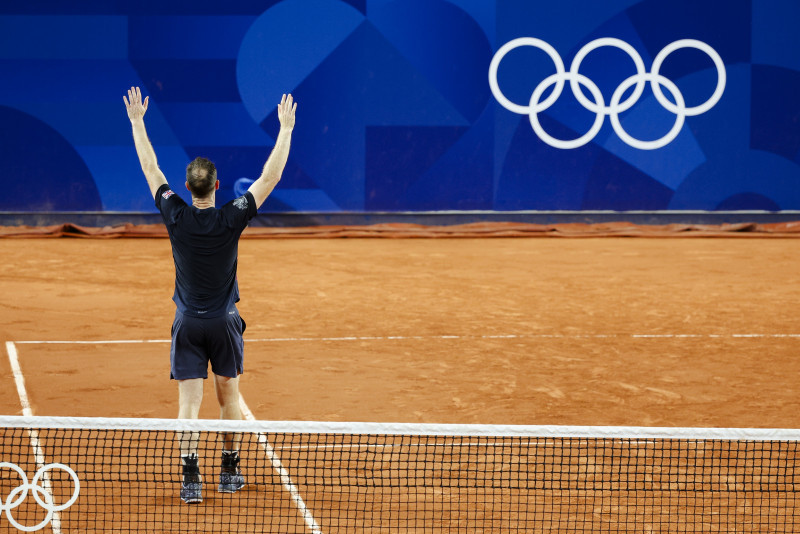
x=207, y=326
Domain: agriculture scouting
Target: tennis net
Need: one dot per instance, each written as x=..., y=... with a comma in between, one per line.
x=124, y=475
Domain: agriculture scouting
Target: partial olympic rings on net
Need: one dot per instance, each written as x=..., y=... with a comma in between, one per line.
x=597, y=104
x=40, y=494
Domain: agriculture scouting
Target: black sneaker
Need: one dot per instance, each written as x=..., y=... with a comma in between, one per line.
x=191, y=485
x=231, y=479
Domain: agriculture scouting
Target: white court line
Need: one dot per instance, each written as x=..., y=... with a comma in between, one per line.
x=423, y=338
x=38, y=451
x=19, y=379
x=286, y=480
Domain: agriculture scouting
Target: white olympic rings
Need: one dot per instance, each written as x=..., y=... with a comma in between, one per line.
x=598, y=106
x=40, y=494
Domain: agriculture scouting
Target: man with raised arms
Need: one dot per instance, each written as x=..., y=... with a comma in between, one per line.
x=207, y=326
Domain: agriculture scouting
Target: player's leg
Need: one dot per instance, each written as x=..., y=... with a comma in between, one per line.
x=228, y=397
x=230, y=478
x=190, y=397
x=189, y=366
x=227, y=389
x=227, y=355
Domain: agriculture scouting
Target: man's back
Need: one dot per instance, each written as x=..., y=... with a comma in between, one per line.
x=205, y=249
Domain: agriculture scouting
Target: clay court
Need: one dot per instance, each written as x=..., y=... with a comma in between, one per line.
x=692, y=331
x=592, y=331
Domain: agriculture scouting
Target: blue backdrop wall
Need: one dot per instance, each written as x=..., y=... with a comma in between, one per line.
x=410, y=104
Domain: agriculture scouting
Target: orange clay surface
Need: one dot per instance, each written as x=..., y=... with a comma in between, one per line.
x=596, y=331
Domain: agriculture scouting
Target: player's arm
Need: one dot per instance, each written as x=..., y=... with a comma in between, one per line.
x=273, y=168
x=144, y=149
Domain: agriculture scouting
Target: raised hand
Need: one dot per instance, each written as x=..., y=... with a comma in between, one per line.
x=136, y=107
x=273, y=168
x=286, y=111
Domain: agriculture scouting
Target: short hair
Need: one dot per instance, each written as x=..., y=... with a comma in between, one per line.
x=201, y=175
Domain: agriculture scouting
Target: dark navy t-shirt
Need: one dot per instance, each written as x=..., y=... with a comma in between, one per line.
x=205, y=247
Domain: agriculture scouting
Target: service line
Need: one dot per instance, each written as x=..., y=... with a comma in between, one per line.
x=426, y=338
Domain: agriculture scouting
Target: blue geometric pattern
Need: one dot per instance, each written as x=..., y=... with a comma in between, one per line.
x=395, y=110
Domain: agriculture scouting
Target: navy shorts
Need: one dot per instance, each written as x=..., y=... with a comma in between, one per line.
x=196, y=342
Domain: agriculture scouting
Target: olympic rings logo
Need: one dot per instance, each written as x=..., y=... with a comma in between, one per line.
x=40, y=494
x=597, y=105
